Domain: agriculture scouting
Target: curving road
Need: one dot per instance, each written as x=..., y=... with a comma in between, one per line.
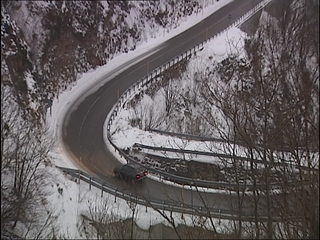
x=82, y=131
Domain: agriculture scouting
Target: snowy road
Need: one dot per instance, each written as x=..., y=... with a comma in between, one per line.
x=83, y=125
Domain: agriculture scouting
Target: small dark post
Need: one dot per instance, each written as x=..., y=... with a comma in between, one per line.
x=163, y=207
x=101, y=190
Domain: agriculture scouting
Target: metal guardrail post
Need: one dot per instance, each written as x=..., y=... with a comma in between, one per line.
x=181, y=211
x=216, y=213
x=101, y=190
x=90, y=184
x=162, y=206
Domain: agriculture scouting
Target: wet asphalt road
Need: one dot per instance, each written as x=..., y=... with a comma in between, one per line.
x=82, y=131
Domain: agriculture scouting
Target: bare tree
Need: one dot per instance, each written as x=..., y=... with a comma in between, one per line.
x=170, y=93
x=289, y=106
x=24, y=150
x=145, y=116
x=276, y=118
x=102, y=221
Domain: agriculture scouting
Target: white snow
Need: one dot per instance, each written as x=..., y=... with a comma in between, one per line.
x=124, y=135
x=75, y=197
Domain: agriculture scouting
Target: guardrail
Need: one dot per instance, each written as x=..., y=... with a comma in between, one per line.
x=151, y=79
x=281, y=162
x=212, y=154
x=203, y=183
x=174, y=206
x=189, y=136
x=285, y=163
x=154, y=75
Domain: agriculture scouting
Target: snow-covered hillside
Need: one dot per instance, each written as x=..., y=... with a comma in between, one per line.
x=52, y=42
x=46, y=45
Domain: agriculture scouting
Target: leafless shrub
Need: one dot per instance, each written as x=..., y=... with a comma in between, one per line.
x=24, y=151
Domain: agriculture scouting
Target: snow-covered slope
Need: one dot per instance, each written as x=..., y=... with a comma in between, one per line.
x=46, y=45
x=52, y=42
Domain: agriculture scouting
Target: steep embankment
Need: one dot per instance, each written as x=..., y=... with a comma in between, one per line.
x=45, y=45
